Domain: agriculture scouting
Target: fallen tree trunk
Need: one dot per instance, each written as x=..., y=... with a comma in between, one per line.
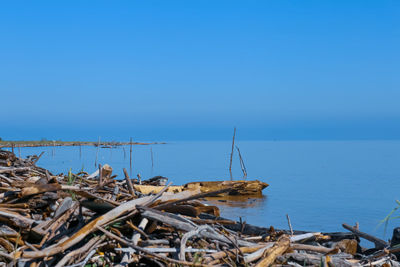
x=379, y=243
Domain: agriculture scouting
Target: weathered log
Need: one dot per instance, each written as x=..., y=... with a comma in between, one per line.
x=13, y=169
x=37, y=189
x=6, y=231
x=379, y=243
x=319, y=249
x=16, y=219
x=257, y=254
x=276, y=250
x=193, y=197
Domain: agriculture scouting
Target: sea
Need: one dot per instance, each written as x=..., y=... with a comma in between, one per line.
x=319, y=184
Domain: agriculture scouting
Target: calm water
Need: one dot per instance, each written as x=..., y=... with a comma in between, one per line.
x=320, y=184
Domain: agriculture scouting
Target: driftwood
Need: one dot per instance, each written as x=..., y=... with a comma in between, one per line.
x=257, y=254
x=81, y=219
x=231, y=253
x=379, y=243
x=315, y=259
x=16, y=219
x=90, y=227
x=281, y=245
x=179, y=223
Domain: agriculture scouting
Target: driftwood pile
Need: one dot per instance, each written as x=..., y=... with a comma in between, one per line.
x=97, y=220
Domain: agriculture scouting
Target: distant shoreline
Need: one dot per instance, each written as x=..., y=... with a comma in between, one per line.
x=5, y=143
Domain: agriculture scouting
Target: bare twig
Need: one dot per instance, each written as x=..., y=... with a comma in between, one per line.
x=290, y=225
x=242, y=166
x=233, y=146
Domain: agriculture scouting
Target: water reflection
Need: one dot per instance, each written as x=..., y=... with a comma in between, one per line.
x=251, y=201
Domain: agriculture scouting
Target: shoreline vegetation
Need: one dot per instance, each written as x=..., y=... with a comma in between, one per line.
x=95, y=219
x=40, y=143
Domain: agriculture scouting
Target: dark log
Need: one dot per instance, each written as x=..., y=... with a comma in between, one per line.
x=379, y=243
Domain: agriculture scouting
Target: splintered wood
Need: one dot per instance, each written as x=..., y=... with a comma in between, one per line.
x=96, y=220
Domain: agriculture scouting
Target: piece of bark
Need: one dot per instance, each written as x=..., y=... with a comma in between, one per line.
x=66, y=204
x=37, y=189
x=348, y=246
x=97, y=205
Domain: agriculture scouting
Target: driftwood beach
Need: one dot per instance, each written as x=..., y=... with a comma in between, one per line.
x=97, y=219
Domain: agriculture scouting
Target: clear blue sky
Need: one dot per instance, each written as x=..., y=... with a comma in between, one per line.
x=173, y=70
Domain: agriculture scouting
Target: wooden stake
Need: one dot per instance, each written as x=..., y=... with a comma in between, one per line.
x=152, y=160
x=100, y=174
x=130, y=157
x=97, y=152
x=233, y=146
x=128, y=182
x=290, y=225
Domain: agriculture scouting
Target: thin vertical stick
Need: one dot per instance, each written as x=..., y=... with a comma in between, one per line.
x=19, y=150
x=12, y=147
x=123, y=148
x=152, y=161
x=80, y=151
x=242, y=166
x=97, y=152
x=129, y=183
x=233, y=146
x=290, y=225
x=130, y=157
x=100, y=174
